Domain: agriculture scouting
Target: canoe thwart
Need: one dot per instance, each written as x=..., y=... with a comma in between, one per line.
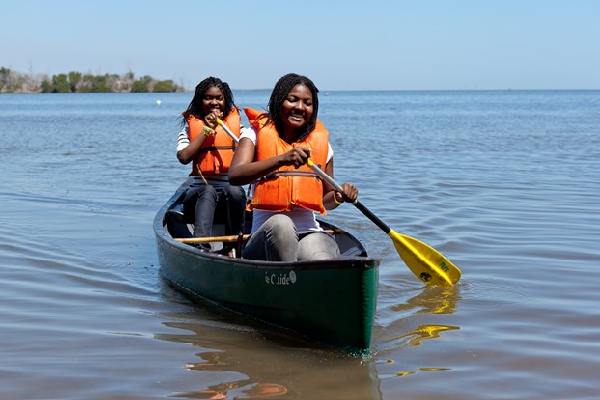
x=227, y=238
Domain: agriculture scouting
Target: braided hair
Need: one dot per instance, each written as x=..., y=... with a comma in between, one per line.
x=280, y=92
x=195, y=106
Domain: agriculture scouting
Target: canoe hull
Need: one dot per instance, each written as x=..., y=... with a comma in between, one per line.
x=331, y=301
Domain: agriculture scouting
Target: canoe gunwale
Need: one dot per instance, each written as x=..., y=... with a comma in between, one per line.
x=163, y=235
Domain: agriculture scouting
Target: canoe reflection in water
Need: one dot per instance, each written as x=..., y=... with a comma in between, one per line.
x=239, y=359
x=220, y=392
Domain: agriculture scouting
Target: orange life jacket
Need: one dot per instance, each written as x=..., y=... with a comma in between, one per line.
x=288, y=186
x=216, y=152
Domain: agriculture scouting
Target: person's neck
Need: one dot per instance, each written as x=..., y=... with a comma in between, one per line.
x=291, y=135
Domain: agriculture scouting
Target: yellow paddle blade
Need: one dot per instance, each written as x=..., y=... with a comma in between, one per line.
x=428, y=264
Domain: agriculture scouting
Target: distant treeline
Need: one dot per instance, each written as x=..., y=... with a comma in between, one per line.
x=77, y=82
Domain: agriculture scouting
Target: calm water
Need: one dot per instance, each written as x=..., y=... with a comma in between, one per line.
x=506, y=184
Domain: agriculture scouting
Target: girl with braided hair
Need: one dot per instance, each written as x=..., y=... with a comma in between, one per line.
x=203, y=141
x=286, y=192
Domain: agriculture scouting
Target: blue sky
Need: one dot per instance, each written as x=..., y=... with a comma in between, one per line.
x=375, y=44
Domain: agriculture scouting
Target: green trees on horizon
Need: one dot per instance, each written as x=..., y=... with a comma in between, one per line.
x=76, y=82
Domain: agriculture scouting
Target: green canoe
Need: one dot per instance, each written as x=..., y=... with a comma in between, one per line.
x=330, y=301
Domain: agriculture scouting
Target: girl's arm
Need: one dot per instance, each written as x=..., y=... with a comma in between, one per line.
x=244, y=169
x=188, y=153
x=332, y=198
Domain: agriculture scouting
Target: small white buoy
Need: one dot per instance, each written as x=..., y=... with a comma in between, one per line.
x=158, y=102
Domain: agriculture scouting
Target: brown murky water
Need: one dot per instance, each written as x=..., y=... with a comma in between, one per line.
x=504, y=183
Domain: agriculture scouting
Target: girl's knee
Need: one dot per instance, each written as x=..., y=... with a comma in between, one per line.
x=236, y=192
x=281, y=223
x=280, y=238
x=208, y=191
x=318, y=246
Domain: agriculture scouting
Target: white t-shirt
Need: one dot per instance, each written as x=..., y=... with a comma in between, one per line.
x=303, y=218
x=250, y=134
x=183, y=137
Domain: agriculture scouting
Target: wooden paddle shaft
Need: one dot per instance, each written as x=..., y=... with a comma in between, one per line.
x=208, y=239
x=228, y=238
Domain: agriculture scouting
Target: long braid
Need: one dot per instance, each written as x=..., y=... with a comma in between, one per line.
x=280, y=92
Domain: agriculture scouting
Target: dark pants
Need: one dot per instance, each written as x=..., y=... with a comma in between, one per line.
x=215, y=201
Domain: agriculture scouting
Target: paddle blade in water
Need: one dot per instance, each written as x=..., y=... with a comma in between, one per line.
x=425, y=262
